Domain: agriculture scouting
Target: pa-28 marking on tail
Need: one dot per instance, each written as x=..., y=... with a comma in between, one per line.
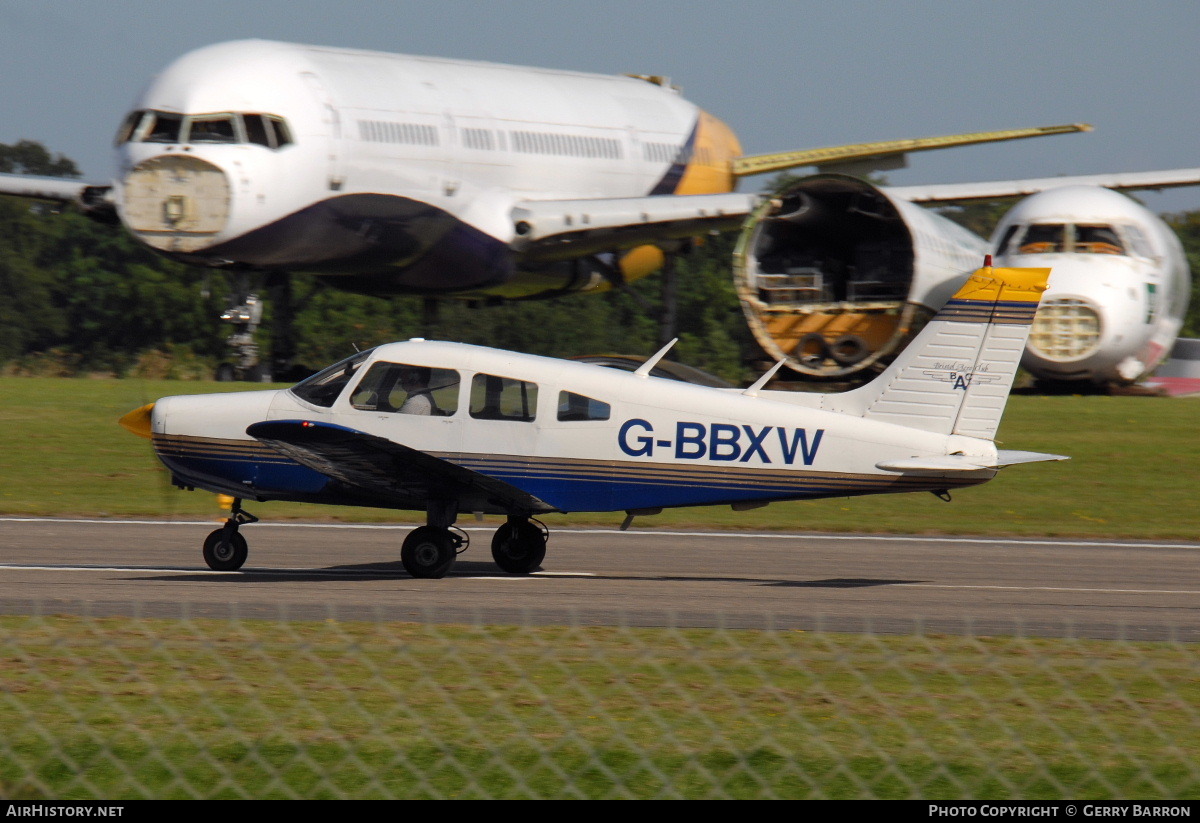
x=447, y=428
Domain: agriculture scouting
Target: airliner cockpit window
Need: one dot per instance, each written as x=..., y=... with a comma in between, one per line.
x=1043, y=239
x=324, y=387
x=1098, y=240
x=1002, y=246
x=163, y=128
x=213, y=129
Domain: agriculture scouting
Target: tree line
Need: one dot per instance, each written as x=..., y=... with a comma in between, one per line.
x=85, y=298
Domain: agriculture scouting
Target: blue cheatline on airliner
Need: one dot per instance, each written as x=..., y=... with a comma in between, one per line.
x=449, y=428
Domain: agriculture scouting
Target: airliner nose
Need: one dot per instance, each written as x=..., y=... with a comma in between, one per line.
x=175, y=203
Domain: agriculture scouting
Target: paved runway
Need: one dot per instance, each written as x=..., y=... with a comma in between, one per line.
x=1036, y=587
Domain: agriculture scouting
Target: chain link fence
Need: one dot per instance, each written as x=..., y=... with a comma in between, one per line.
x=112, y=707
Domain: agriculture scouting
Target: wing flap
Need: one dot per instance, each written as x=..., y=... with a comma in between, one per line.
x=390, y=471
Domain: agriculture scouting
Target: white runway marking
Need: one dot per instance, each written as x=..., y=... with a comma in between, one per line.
x=645, y=533
x=506, y=577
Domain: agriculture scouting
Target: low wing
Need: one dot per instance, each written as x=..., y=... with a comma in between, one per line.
x=382, y=469
x=548, y=230
x=889, y=154
x=963, y=463
x=1127, y=181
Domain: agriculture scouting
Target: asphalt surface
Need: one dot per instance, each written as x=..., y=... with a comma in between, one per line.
x=897, y=584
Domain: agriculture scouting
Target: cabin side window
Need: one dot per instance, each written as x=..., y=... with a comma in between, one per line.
x=503, y=398
x=324, y=387
x=403, y=388
x=573, y=407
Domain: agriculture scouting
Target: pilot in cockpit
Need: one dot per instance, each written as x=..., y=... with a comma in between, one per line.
x=415, y=381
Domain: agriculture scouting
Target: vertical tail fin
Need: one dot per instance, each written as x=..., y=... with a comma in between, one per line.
x=955, y=376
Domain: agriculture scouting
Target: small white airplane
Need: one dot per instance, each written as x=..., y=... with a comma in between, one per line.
x=389, y=173
x=448, y=428
x=836, y=275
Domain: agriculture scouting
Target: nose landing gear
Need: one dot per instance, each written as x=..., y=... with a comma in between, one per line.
x=225, y=550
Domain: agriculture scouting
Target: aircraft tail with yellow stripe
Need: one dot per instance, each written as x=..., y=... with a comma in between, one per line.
x=955, y=377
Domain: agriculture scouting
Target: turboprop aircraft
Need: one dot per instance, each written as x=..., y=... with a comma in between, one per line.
x=387, y=174
x=835, y=274
x=448, y=428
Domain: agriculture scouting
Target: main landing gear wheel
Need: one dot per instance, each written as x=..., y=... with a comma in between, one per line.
x=519, y=546
x=225, y=550
x=429, y=552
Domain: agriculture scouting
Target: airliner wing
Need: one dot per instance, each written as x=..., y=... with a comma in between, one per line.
x=383, y=469
x=860, y=158
x=61, y=189
x=1128, y=181
x=93, y=198
x=553, y=229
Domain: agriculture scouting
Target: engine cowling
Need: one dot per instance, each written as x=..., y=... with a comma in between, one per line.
x=835, y=276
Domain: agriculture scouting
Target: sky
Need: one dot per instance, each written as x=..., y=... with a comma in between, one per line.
x=783, y=75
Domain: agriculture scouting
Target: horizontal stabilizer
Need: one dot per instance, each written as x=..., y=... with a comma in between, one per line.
x=965, y=463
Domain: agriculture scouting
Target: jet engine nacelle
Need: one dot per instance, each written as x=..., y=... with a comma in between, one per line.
x=835, y=276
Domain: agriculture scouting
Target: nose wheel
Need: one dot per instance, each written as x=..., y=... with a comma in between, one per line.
x=225, y=550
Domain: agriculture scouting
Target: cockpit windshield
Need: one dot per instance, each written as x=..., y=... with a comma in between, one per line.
x=1053, y=238
x=324, y=387
x=225, y=127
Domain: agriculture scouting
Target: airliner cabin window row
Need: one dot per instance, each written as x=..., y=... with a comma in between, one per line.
x=536, y=142
x=577, y=407
x=404, y=388
x=478, y=139
x=383, y=131
x=225, y=127
x=503, y=398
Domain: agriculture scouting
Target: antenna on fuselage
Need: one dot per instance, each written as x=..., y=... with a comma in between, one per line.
x=644, y=369
x=752, y=391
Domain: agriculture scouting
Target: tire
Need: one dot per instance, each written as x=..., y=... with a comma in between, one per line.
x=428, y=552
x=225, y=554
x=519, y=547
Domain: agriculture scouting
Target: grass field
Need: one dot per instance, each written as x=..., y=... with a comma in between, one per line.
x=1134, y=473
x=119, y=708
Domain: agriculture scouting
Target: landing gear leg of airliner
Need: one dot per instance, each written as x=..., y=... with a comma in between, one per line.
x=519, y=546
x=244, y=313
x=225, y=550
x=430, y=551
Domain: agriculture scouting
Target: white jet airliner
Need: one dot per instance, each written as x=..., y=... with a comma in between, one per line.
x=398, y=174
